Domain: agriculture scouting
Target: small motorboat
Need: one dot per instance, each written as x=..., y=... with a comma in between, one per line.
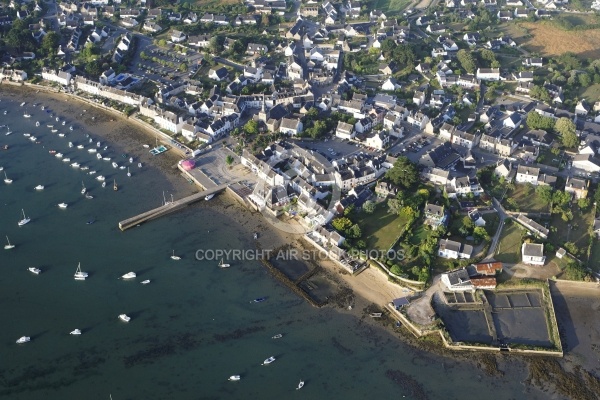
x=278, y=336
x=300, y=385
x=174, y=257
x=70, y=144
x=268, y=360
x=259, y=300
x=255, y=235
x=129, y=275
x=66, y=160
x=146, y=146
x=106, y=159
x=27, y=134
x=75, y=165
x=100, y=178
x=61, y=135
x=54, y=130
x=80, y=147
x=52, y=151
x=63, y=123
x=75, y=332
x=124, y=318
x=130, y=160
x=91, y=221
x=32, y=138
x=210, y=196
x=93, y=172
x=115, y=165
x=91, y=151
x=235, y=378
x=122, y=167
x=223, y=265
x=84, y=168
x=39, y=187
x=23, y=339
x=139, y=165
x=99, y=156
x=22, y=104
x=34, y=270
x=70, y=128
x=63, y=205
x=37, y=123
x=147, y=281
x=50, y=126
x=103, y=184
x=57, y=119
x=58, y=155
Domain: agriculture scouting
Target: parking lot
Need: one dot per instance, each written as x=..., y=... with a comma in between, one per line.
x=166, y=62
x=334, y=148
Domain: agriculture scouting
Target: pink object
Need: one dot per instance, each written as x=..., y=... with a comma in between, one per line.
x=188, y=164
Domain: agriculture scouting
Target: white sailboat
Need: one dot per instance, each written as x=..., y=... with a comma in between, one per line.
x=63, y=205
x=8, y=246
x=25, y=219
x=7, y=180
x=34, y=270
x=128, y=173
x=268, y=360
x=75, y=332
x=39, y=187
x=83, y=190
x=23, y=339
x=235, y=378
x=79, y=275
x=300, y=385
x=124, y=318
x=174, y=257
x=147, y=281
x=129, y=275
x=223, y=265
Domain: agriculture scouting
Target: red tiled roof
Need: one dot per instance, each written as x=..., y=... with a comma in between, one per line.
x=483, y=282
x=488, y=268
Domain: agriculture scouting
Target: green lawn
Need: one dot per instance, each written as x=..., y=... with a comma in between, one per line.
x=509, y=248
x=575, y=231
x=591, y=93
x=419, y=234
x=381, y=228
x=524, y=197
x=547, y=158
x=594, y=261
x=391, y=6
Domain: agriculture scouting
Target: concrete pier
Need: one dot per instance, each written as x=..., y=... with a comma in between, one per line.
x=170, y=207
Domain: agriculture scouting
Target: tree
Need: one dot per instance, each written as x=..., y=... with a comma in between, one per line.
x=404, y=173
x=251, y=127
x=544, y=193
x=540, y=93
x=369, y=207
x=566, y=128
x=467, y=61
x=341, y=224
x=537, y=121
x=583, y=203
x=396, y=270
x=50, y=43
x=467, y=226
x=229, y=159
x=394, y=206
x=480, y=234
x=216, y=44
x=354, y=232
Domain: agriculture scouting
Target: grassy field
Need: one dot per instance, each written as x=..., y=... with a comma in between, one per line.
x=526, y=199
x=380, y=228
x=591, y=93
x=547, y=39
x=391, y=6
x=575, y=231
x=594, y=261
x=509, y=248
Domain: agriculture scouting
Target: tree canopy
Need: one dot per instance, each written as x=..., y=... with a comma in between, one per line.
x=404, y=173
x=566, y=128
x=538, y=121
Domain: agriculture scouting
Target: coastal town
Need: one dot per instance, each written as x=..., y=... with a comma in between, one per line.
x=430, y=141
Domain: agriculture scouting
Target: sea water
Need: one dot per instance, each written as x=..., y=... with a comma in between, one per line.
x=194, y=325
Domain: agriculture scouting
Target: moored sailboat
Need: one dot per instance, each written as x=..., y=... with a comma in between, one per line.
x=79, y=275
x=25, y=219
x=8, y=246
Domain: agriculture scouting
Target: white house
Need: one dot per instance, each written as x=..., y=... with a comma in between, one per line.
x=345, y=130
x=451, y=249
x=533, y=253
x=488, y=74
x=290, y=126
x=457, y=280
x=527, y=174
